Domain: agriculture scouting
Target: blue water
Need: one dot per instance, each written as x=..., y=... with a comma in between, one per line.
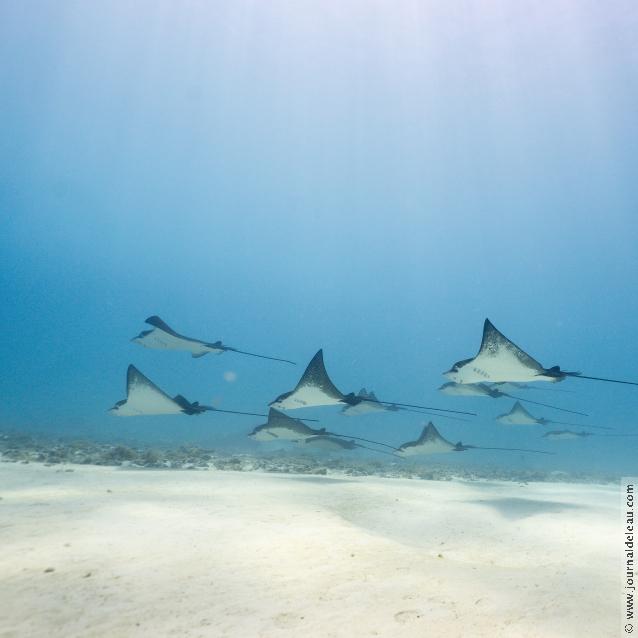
x=374, y=179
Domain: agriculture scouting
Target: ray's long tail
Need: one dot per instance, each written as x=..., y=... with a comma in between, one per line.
x=545, y=405
x=365, y=447
x=424, y=407
x=438, y=416
x=260, y=356
x=506, y=449
x=211, y=409
x=578, y=375
x=358, y=438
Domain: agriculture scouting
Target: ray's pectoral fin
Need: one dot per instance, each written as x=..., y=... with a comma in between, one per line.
x=144, y=397
x=497, y=346
x=313, y=389
x=157, y=322
x=281, y=398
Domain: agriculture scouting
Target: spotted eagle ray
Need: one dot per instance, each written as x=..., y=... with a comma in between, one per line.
x=557, y=435
x=163, y=337
x=281, y=427
x=518, y=415
x=500, y=359
x=371, y=404
x=483, y=390
x=431, y=442
x=143, y=397
x=316, y=389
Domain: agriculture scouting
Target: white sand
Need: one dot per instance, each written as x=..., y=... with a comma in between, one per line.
x=170, y=553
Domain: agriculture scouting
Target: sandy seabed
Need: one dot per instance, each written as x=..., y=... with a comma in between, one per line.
x=102, y=551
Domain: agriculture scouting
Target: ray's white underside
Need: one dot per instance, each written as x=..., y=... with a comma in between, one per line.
x=365, y=407
x=517, y=419
x=144, y=399
x=518, y=415
x=563, y=436
x=464, y=390
x=160, y=340
x=438, y=446
x=306, y=397
x=279, y=434
x=501, y=366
